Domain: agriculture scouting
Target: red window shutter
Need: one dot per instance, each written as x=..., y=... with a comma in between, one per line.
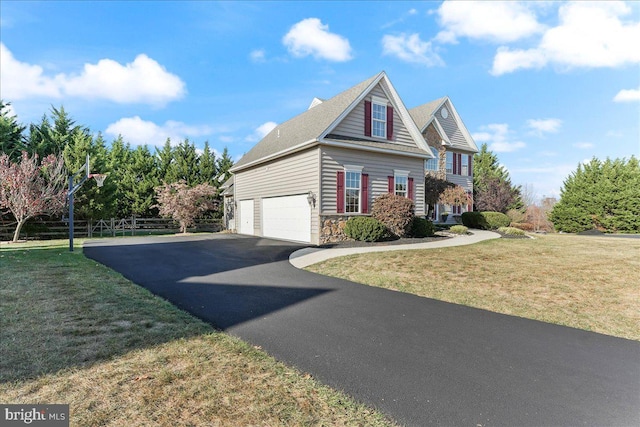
x=470, y=162
x=365, y=193
x=410, y=189
x=455, y=164
x=392, y=190
x=340, y=192
x=389, y=122
x=367, y=118
x=459, y=165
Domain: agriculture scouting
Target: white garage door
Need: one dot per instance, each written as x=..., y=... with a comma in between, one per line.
x=246, y=217
x=287, y=218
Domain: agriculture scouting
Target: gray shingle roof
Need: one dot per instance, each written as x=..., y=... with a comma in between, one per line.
x=304, y=127
x=423, y=113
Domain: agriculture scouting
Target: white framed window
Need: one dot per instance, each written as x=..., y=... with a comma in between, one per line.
x=401, y=183
x=378, y=119
x=449, y=162
x=465, y=166
x=432, y=164
x=352, y=190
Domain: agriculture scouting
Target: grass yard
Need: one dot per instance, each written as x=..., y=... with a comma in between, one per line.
x=73, y=331
x=591, y=283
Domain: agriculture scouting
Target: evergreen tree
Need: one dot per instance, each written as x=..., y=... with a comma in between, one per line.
x=185, y=165
x=224, y=164
x=600, y=195
x=487, y=169
x=92, y=202
x=165, y=159
x=208, y=167
x=12, y=140
x=139, y=180
x=119, y=158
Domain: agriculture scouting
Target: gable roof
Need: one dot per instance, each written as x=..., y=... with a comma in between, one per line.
x=425, y=114
x=315, y=124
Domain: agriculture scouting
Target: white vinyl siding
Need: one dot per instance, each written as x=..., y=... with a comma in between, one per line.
x=378, y=166
x=353, y=124
x=291, y=175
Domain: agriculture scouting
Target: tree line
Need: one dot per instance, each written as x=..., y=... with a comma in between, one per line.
x=133, y=172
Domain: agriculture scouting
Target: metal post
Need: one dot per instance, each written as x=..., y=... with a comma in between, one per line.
x=71, y=213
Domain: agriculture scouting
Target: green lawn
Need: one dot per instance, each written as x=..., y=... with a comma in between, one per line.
x=591, y=283
x=73, y=331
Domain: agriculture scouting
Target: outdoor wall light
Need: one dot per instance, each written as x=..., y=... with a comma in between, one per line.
x=311, y=199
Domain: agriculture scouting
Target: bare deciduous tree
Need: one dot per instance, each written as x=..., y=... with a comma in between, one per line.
x=183, y=203
x=29, y=188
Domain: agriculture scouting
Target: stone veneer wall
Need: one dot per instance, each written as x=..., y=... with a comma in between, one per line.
x=332, y=228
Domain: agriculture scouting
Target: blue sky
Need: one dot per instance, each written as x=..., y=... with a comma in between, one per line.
x=546, y=85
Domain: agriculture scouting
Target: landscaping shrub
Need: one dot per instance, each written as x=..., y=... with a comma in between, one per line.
x=526, y=226
x=458, y=229
x=485, y=220
x=396, y=212
x=365, y=228
x=472, y=219
x=511, y=231
x=421, y=227
x=496, y=220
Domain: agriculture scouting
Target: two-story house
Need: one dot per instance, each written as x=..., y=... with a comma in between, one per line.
x=311, y=173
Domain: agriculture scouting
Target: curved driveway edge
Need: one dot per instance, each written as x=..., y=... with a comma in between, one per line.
x=305, y=257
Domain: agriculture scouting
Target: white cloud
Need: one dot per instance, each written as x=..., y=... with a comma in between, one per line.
x=590, y=34
x=411, y=49
x=541, y=126
x=140, y=132
x=583, y=145
x=311, y=37
x=142, y=81
x=261, y=131
x=498, y=21
x=627, y=95
x=20, y=80
x=258, y=55
x=497, y=135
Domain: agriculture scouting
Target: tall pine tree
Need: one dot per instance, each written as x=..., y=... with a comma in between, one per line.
x=12, y=139
x=489, y=174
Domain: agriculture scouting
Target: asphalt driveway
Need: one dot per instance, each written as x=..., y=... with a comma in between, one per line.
x=419, y=360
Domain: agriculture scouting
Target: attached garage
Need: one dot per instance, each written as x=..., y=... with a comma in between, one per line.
x=287, y=218
x=245, y=225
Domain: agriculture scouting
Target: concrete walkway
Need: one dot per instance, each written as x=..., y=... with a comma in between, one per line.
x=305, y=257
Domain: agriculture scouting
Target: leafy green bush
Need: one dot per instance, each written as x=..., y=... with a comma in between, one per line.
x=473, y=220
x=485, y=220
x=396, y=212
x=365, y=228
x=496, y=220
x=458, y=229
x=421, y=227
x=511, y=231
